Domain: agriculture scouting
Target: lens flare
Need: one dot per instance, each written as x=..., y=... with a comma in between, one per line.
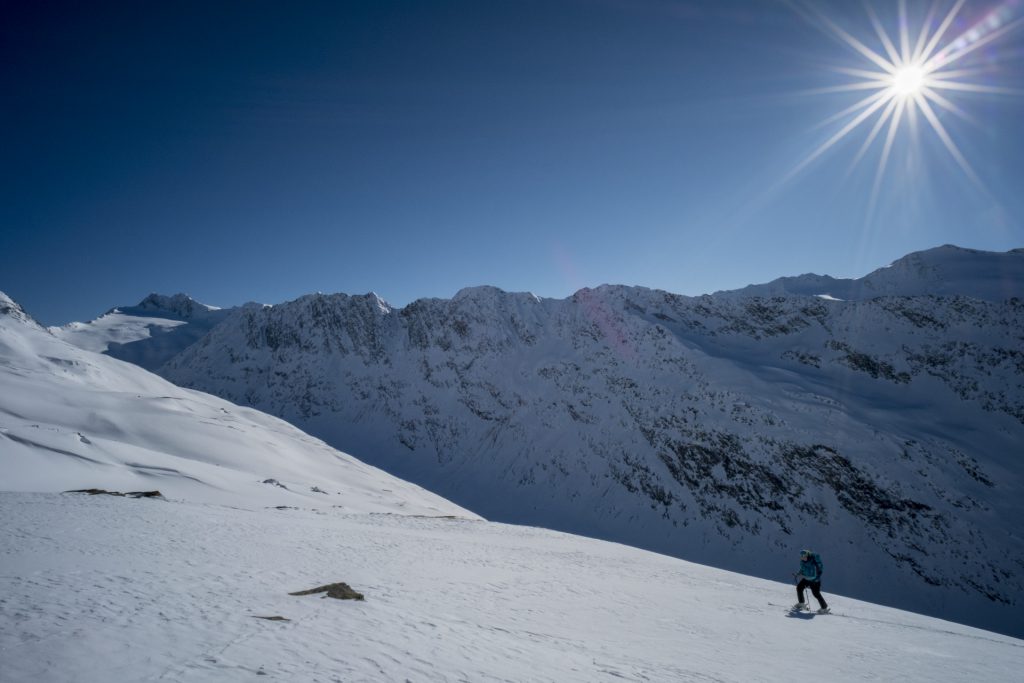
x=908, y=77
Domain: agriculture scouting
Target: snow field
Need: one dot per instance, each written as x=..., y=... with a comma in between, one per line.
x=114, y=589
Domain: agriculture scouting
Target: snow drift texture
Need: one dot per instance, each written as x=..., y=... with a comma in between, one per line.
x=883, y=430
x=100, y=589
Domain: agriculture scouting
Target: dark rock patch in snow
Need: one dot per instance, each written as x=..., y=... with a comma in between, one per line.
x=341, y=591
x=126, y=494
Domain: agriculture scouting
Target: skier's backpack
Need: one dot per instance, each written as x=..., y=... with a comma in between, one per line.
x=816, y=559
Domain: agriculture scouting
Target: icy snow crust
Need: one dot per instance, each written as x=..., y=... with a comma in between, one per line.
x=110, y=589
x=73, y=419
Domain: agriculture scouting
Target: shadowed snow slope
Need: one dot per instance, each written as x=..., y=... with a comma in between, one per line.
x=72, y=419
x=110, y=589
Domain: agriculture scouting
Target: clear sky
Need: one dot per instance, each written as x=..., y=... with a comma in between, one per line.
x=264, y=150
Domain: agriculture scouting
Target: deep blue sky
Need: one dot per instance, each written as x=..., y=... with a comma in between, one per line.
x=263, y=150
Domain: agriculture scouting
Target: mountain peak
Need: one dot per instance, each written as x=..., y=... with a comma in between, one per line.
x=12, y=309
x=946, y=270
x=943, y=253
x=319, y=299
x=179, y=304
x=488, y=294
x=949, y=270
x=382, y=305
x=479, y=292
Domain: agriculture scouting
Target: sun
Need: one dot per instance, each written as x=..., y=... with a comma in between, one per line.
x=910, y=78
x=909, y=81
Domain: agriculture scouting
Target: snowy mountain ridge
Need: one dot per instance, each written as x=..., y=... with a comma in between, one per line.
x=943, y=271
x=75, y=419
x=12, y=310
x=149, y=333
x=726, y=429
x=202, y=584
x=180, y=305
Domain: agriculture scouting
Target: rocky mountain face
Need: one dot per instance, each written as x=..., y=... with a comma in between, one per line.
x=883, y=431
x=11, y=309
x=180, y=306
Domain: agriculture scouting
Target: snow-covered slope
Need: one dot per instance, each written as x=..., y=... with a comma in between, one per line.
x=148, y=334
x=95, y=589
x=74, y=419
x=943, y=271
x=727, y=430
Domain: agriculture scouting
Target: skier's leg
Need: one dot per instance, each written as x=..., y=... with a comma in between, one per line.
x=800, y=590
x=816, y=592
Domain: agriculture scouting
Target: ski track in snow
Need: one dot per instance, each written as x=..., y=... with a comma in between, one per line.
x=114, y=589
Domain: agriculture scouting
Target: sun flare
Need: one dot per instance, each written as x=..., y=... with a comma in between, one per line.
x=910, y=78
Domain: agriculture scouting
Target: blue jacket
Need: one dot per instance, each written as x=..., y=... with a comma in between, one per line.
x=811, y=568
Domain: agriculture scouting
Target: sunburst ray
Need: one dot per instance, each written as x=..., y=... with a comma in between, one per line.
x=873, y=76
x=875, y=130
x=904, y=33
x=883, y=161
x=949, y=106
x=923, y=35
x=857, y=45
x=843, y=132
x=890, y=49
x=940, y=130
x=941, y=31
x=942, y=59
x=972, y=87
x=857, y=106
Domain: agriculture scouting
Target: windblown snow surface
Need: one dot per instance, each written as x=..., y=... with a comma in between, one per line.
x=101, y=588
x=114, y=589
